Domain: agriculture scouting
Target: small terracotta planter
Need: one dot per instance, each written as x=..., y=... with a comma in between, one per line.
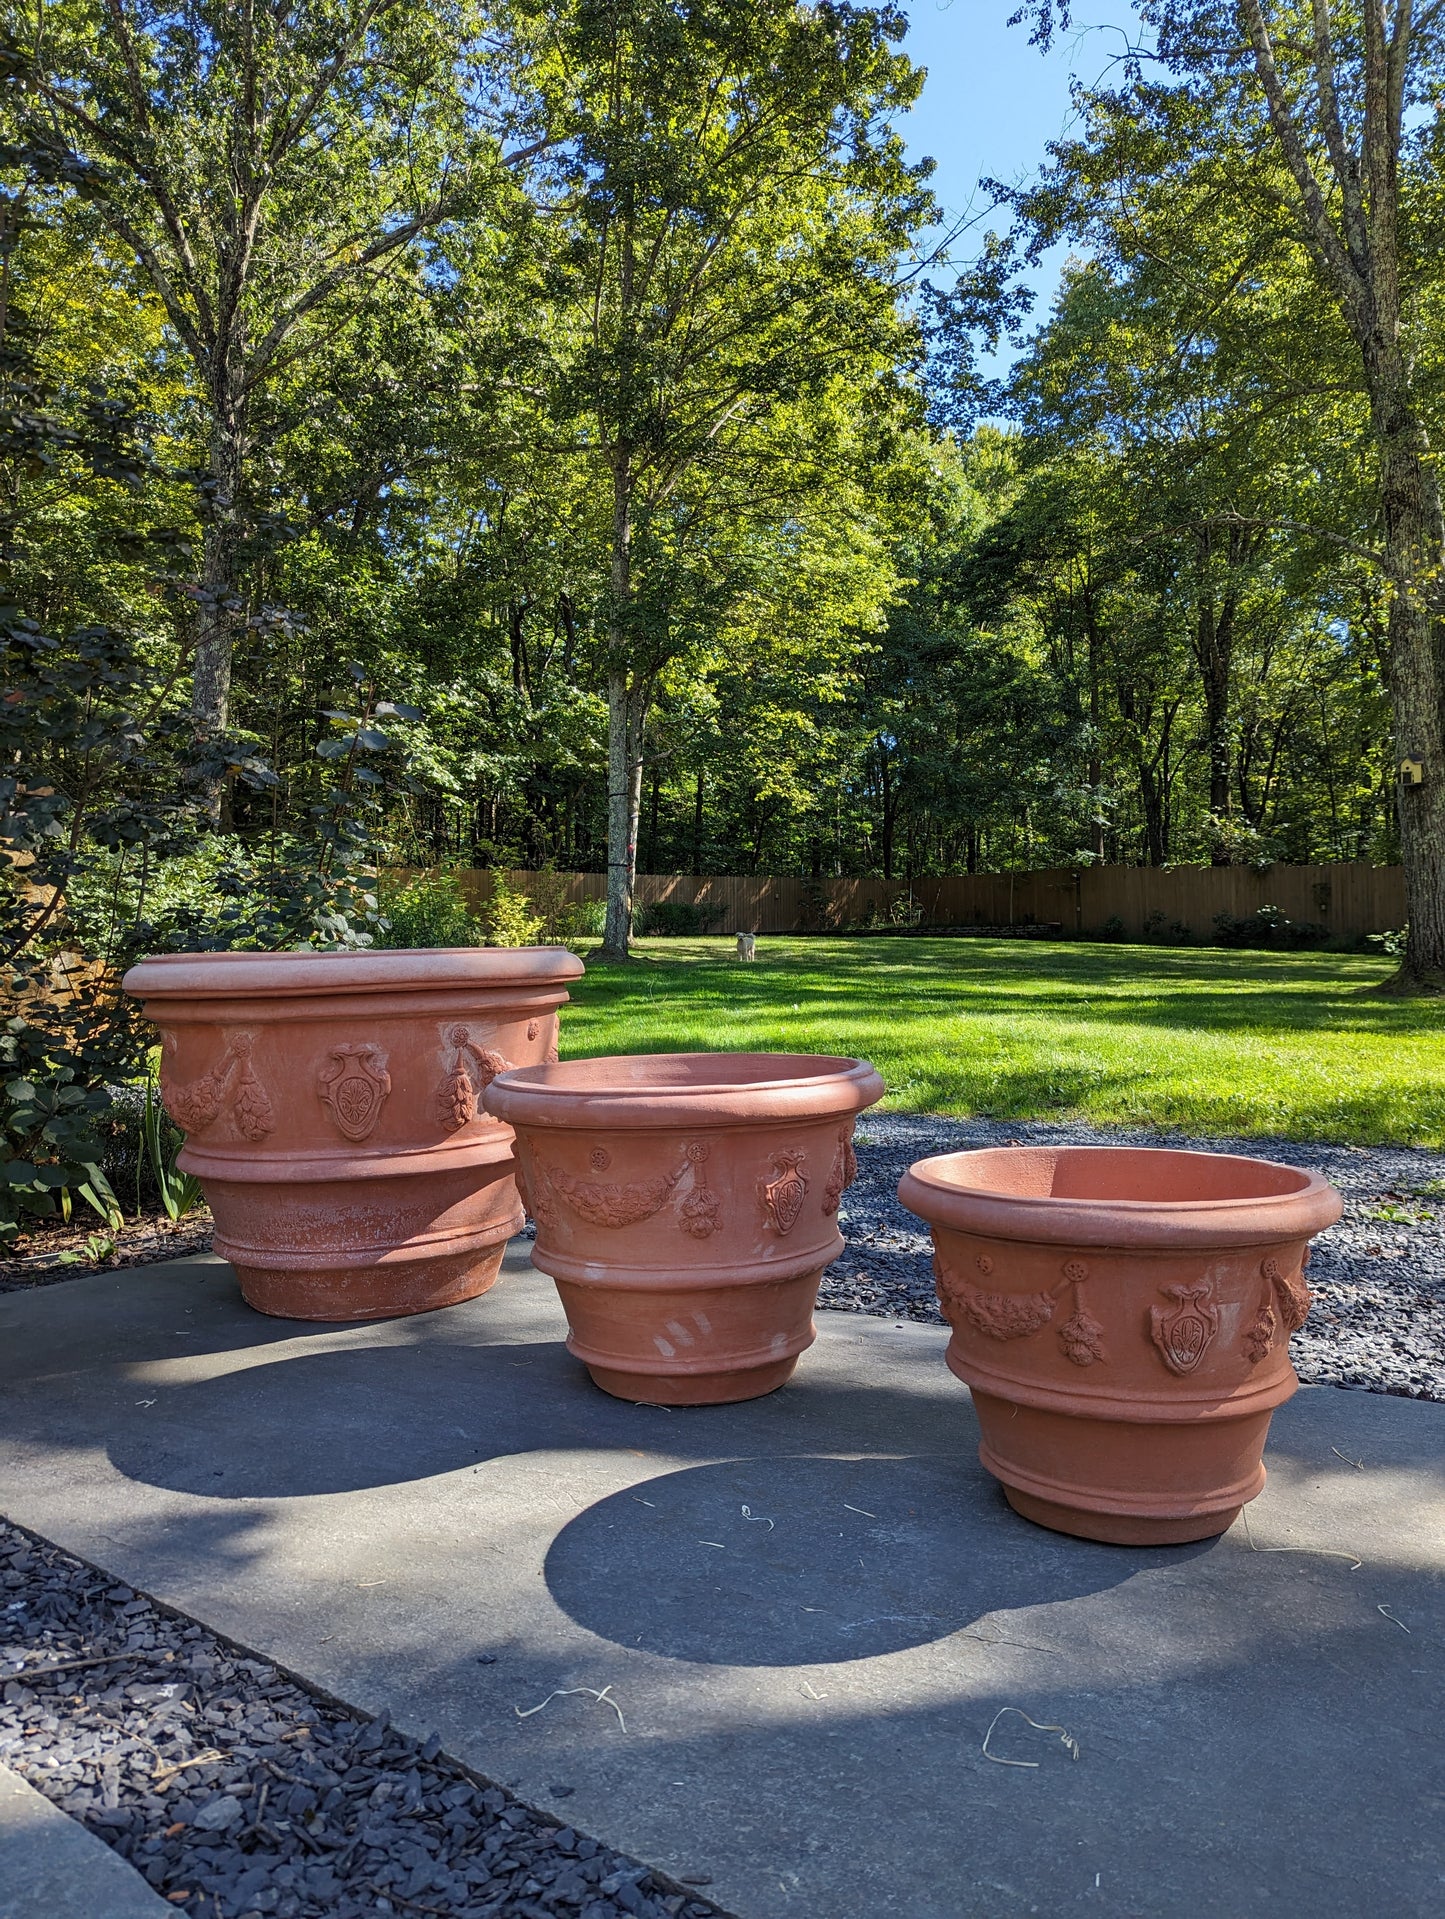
x=332, y=1106
x=686, y=1205
x=1121, y=1316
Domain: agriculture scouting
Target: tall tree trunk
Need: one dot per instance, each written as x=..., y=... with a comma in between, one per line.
x=1096, y=759
x=886, y=793
x=652, y=865
x=218, y=606
x=568, y=617
x=1214, y=651
x=1352, y=222
x=626, y=714
x=517, y=641
x=1415, y=541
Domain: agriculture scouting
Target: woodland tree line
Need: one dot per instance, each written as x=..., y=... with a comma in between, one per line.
x=532, y=434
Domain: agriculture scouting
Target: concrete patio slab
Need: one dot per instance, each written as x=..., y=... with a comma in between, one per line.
x=52, y=1868
x=808, y=1609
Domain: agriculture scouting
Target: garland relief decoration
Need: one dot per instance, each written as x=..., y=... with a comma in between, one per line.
x=1292, y=1293
x=843, y=1172
x=1081, y=1336
x=629, y=1202
x=472, y=1071
x=232, y=1081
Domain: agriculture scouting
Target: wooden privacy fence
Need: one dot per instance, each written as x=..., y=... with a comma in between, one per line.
x=1347, y=898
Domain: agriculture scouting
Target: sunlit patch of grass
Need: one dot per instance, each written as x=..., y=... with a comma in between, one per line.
x=1203, y=1040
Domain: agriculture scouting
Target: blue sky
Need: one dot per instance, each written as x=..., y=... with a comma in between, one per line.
x=992, y=102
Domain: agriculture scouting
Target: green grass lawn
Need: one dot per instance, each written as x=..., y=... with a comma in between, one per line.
x=1204, y=1040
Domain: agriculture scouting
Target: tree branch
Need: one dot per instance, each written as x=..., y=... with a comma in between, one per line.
x=1320, y=228
x=323, y=288
x=1346, y=168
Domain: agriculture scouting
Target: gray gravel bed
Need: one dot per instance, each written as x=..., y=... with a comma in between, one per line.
x=239, y=1794
x=1378, y=1277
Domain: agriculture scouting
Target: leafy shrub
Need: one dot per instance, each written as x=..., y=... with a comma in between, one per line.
x=115, y=888
x=818, y=913
x=1112, y=929
x=1392, y=943
x=575, y=921
x=1269, y=927
x=675, y=919
x=564, y=922
x=508, y=915
x=1159, y=931
x=429, y=909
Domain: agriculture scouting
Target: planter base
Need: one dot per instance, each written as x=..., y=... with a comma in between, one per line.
x=696, y=1389
x=1125, y=1481
x=383, y=1291
x=1119, y=1529
x=401, y=1239
x=703, y=1344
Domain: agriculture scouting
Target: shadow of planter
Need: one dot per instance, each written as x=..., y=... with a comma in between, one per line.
x=810, y=1561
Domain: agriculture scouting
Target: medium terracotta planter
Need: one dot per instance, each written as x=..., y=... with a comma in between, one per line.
x=686, y=1205
x=1121, y=1316
x=333, y=1113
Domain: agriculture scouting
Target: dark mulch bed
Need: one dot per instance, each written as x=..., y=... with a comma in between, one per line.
x=52, y=1250
x=241, y=1794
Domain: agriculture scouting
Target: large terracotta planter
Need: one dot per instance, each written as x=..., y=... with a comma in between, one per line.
x=333, y=1113
x=686, y=1205
x=1122, y=1319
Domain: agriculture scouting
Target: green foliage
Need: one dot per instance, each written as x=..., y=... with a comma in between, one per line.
x=180, y=1193
x=428, y=909
x=97, y=1250
x=576, y=921
x=1268, y=926
x=676, y=919
x=1393, y=942
x=508, y=916
x=1160, y=930
x=48, y=1131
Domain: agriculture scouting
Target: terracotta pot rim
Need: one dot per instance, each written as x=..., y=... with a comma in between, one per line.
x=1303, y=1204
x=658, y=1091
x=220, y=976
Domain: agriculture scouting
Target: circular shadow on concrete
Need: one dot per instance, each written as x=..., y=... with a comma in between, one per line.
x=808, y=1561
x=354, y=1418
